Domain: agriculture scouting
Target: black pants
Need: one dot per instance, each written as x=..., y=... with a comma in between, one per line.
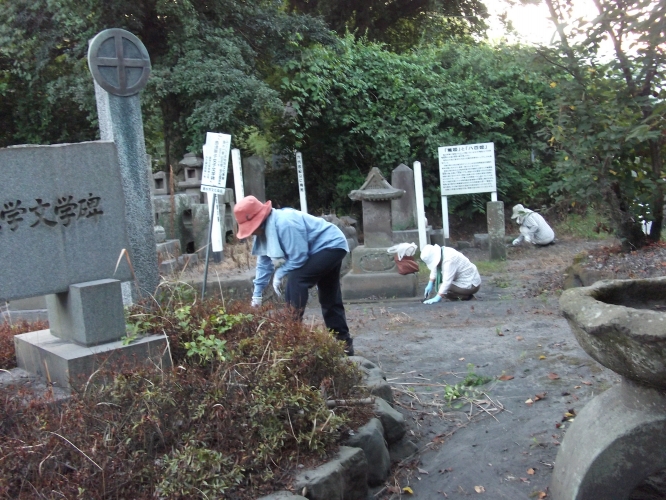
x=321, y=269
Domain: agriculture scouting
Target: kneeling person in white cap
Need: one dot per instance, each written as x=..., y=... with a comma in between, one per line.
x=459, y=278
x=533, y=227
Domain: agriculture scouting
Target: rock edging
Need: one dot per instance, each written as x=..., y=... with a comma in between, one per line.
x=366, y=456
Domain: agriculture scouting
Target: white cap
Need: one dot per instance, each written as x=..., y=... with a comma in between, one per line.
x=431, y=255
x=518, y=211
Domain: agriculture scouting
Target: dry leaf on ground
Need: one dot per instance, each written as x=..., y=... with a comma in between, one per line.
x=479, y=489
x=505, y=377
x=553, y=376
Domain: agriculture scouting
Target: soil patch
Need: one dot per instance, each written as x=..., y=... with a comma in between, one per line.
x=502, y=437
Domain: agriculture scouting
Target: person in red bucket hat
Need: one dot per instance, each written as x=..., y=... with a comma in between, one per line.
x=306, y=248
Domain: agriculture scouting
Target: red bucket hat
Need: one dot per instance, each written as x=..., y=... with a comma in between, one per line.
x=250, y=213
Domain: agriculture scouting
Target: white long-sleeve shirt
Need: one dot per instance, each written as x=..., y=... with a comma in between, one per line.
x=534, y=229
x=456, y=270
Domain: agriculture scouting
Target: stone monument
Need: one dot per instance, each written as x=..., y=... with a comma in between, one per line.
x=120, y=66
x=373, y=270
x=403, y=209
x=62, y=231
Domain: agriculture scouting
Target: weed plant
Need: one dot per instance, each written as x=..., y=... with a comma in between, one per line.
x=243, y=406
x=7, y=332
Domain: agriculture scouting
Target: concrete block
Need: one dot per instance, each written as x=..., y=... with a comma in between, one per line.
x=379, y=285
x=366, y=260
x=68, y=365
x=89, y=314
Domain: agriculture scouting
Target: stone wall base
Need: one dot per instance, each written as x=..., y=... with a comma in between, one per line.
x=68, y=365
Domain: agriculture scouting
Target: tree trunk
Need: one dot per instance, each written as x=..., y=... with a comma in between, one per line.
x=628, y=229
x=657, y=204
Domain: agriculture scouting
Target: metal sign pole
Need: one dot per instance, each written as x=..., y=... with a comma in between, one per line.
x=208, y=243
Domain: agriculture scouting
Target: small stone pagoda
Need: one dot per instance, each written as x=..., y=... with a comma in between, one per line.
x=374, y=273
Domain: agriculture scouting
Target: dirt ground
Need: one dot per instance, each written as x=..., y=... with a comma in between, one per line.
x=501, y=438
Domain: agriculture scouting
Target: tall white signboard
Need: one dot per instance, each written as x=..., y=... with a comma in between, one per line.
x=237, y=165
x=466, y=169
x=301, y=182
x=216, y=163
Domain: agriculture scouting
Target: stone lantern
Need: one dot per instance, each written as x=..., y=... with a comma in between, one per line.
x=192, y=171
x=373, y=272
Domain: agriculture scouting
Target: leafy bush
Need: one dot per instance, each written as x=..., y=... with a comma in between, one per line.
x=246, y=398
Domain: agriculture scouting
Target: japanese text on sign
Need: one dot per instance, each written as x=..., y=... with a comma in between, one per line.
x=65, y=210
x=216, y=163
x=468, y=168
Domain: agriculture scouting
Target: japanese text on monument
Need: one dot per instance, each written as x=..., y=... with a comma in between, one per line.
x=468, y=168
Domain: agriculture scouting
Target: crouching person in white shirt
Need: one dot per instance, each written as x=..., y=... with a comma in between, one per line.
x=457, y=277
x=533, y=227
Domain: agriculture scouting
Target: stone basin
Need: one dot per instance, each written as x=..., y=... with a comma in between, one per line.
x=622, y=325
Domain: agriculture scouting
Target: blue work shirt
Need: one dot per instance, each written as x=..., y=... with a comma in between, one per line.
x=292, y=236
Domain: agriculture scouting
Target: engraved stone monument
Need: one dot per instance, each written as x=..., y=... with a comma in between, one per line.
x=62, y=231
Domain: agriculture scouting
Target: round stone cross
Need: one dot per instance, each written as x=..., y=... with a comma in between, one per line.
x=119, y=62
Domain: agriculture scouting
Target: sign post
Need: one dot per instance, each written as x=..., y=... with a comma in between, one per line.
x=214, y=180
x=466, y=169
x=301, y=183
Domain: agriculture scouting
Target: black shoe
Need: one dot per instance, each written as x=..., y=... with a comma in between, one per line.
x=349, y=346
x=467, y=297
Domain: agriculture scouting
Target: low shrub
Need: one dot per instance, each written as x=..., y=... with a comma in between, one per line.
x=7, y=332
x=242, y=407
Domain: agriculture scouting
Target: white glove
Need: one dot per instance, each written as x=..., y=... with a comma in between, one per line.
x=277, y=286
x=256, y=301
x=516, y=242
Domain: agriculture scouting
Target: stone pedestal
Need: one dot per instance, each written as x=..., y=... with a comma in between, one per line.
x=69, y=366
x=87, y=324
x=614, y=444
x=374, y=274
x=617, y=441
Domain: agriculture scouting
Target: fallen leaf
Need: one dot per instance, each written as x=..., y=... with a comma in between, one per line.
x=407, y=489
x=542, y=494
x=505, y=377
x=542, y=357
x=479, y=489
x=537, y=397
x=586, y=382
x=576, y=387
x=519, y=337
x=524, y=480
x=529, y=402
x=530, y=471
x=421, y=471
x=461, y=359
x=553, y=376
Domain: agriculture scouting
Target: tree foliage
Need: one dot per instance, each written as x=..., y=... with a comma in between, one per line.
x=360, y=106
x=400, y=23
x=607, y=122
x=211, y=62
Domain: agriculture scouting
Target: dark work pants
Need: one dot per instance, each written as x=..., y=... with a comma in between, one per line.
x=321, y=269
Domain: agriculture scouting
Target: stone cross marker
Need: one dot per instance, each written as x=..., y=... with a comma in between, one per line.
x=120, y=65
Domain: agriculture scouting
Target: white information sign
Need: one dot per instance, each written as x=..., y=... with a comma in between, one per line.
x=301, y=182
x=467, y=169
x=216, y=163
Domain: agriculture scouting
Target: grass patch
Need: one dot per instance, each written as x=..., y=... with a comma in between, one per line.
x=590, y=225
x=489, y=267
x=244, y=405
